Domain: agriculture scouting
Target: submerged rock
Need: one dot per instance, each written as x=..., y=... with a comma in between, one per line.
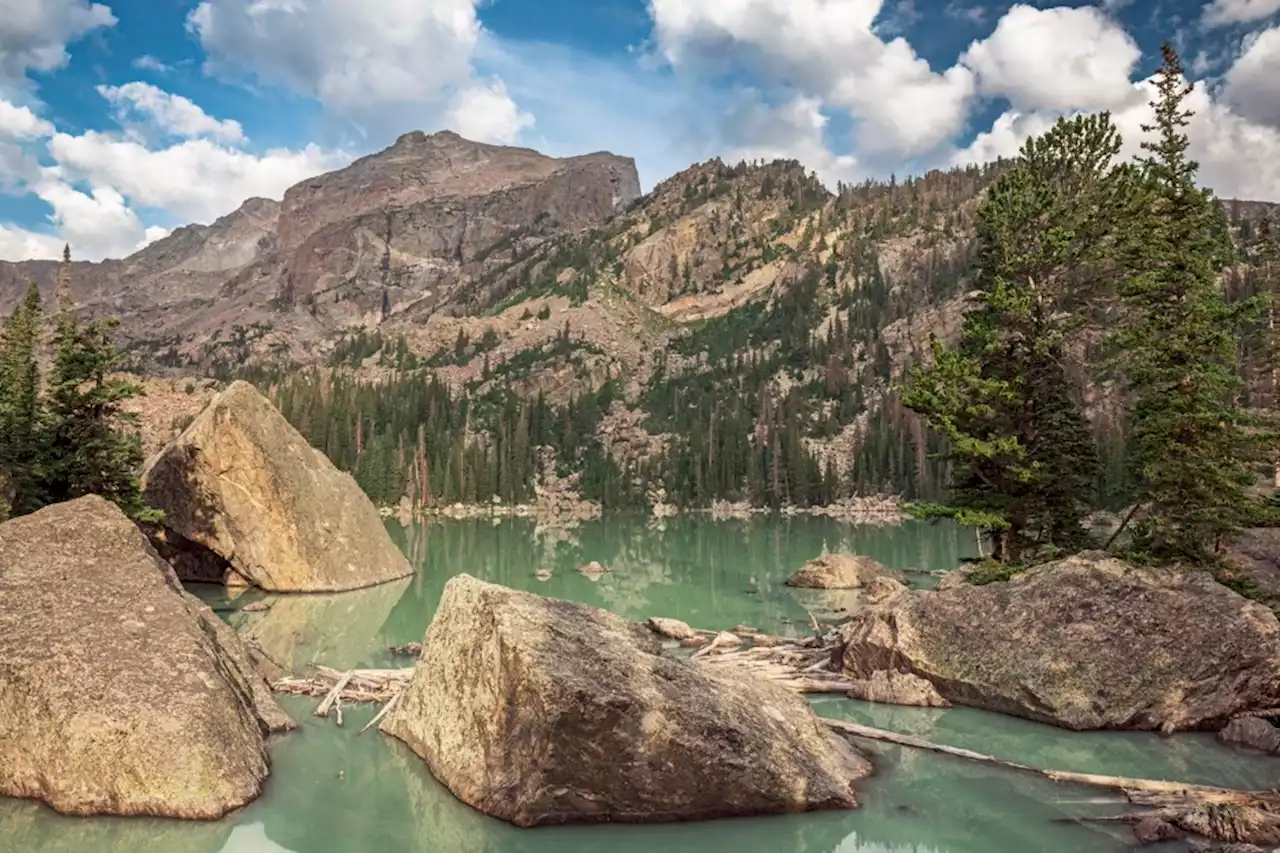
x=119, y=692
x=243, y=483
x=1153, y=830
x=897, y=688
x=880, y=588
x=1088, y=642
x=672, y=628
x=540, y=711
x=841, y=571
x=1252, y=732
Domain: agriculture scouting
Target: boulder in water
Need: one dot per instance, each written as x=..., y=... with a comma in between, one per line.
x=119, y=692
x=880, y=588
x=1088, y=642
x=540, y=711
x=243, y=483
x=672, y=628
x=841, y=571
x=897, y=688
x=1251, y=732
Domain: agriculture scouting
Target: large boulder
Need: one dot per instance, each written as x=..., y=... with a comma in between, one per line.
x=1088, y=642
x=841, y=571
x=540, y=711
x=119, y=692
x=242, y=482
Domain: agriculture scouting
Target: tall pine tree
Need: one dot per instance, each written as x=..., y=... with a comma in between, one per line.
x=1193, y=450
x=20, y=413
x=88, y=448
x=1023, y=461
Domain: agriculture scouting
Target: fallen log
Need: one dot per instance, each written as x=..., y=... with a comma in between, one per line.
x=1146, y=792
x=363, y=685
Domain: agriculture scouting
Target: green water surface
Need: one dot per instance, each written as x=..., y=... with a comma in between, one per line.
x=334, y=792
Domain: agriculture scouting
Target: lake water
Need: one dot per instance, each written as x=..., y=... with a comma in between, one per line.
x=334, y=792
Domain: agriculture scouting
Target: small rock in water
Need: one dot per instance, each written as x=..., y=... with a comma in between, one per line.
x=744, y=629
x=594, y=568
x=841, y=571
x=407, y=650
x=1152, y=830
x=256, y=607
x=542, y=575
x=673, y=628
x=897, y=688
x=1252, y=732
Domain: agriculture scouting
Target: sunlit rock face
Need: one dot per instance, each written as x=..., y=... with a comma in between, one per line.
x=243, y=483
x=119, y=692
x=541, y=711
x=1089, y=642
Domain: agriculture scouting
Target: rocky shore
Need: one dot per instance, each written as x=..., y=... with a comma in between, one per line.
x=567, y=507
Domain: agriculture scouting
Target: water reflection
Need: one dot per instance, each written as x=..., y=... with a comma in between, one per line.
x=333, y=629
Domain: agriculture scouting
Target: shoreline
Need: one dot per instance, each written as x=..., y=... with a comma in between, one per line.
x=877, y=510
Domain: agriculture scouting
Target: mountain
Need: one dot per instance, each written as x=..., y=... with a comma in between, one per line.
x=734, y=334
x=396, y=230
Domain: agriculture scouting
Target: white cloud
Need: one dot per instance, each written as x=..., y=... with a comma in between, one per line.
x=790, y=131
x=98, y=225
x=1238, y=158
x=825, y=49
x=147, y=62
x=1005, y=137
x=386, y=65
x=172, y=114
x=1222, y=13
x=34, y=34
x=1252, y=84
x=1055, y=59
x=484, y=112
x=21, y=123
x=195, y=180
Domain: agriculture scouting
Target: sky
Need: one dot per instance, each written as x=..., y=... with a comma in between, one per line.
x=123, y=119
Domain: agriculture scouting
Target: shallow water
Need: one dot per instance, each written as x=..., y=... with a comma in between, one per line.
x=333, y=792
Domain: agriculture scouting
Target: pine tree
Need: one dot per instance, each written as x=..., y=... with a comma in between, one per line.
x=88, y=448
x=1193, y=451
x=20, y=413
x=1023, y=462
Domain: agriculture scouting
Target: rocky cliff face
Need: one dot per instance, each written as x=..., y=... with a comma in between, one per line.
x=280, y=281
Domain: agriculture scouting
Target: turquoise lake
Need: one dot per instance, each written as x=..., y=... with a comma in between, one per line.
x=332, y=791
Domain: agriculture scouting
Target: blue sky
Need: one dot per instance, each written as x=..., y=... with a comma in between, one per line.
x=122, y=119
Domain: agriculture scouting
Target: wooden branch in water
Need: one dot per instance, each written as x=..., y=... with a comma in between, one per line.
x=380, y=714
x=1147, y=792
x=364, y=685
x=323, y=710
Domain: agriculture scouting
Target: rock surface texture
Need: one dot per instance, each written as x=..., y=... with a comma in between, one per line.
x=245, y=484
x=540, y=711
x=119, y=692
x=1088, y=642
x=841, y=571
